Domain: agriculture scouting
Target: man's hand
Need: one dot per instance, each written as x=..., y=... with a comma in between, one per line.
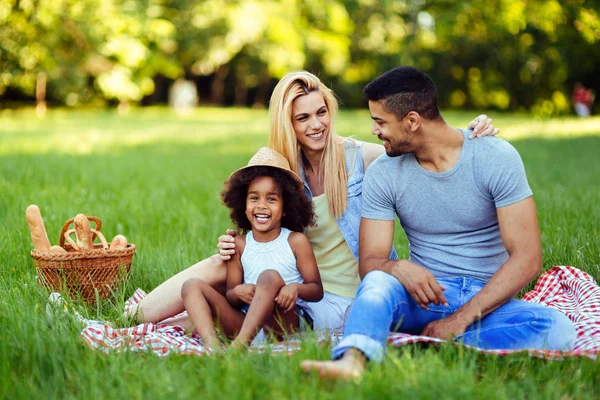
x=287, y=297
x=245, y=292
x=419, y=283
x=446, y=328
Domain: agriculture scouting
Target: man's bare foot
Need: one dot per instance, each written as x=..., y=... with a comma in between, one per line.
x=350, y=367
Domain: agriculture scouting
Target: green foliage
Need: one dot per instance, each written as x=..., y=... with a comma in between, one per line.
x=508, y=54
x=499, y=54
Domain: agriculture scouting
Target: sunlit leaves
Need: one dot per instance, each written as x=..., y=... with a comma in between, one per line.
x=505, y=54
x=588, y=24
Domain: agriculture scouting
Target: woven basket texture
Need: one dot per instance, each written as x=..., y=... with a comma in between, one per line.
x=84, y=274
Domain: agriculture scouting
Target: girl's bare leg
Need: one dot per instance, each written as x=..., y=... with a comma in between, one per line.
x=281, y=323
x=204, y=304
x=263, y=304
x=165, y=301
x=199, y=311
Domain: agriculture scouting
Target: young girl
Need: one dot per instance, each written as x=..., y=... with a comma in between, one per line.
x=273, y=272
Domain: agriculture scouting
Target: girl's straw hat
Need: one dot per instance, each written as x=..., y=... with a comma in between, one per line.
x=266, y=157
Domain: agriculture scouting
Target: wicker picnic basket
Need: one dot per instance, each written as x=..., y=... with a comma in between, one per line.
x=83, y=273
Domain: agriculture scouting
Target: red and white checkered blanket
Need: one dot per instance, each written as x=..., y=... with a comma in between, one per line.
x=566, y=289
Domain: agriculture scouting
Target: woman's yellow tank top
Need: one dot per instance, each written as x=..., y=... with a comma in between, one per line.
x=337, y=265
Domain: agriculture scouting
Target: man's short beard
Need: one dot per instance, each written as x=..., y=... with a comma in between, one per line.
x=394, y=153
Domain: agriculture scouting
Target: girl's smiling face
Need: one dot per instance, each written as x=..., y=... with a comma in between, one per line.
x=264, y=208
x=311, y=121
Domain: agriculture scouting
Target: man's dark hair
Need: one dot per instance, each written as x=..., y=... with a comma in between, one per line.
x=405, y=89
x=297, y=208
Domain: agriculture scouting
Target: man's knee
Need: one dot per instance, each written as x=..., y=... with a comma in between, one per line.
x=192, y=286
x=554, y=329
x=270, y=277
x=379, y=282
x=562, y=333
x=379, y=289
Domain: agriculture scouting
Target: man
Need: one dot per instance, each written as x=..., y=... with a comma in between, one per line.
x=471, y=222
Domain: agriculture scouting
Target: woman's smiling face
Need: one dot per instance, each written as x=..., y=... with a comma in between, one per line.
x=311, y=121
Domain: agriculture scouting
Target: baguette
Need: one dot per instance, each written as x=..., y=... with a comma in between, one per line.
x=83, y=232
x=37, y=229
x=57, y=250
x=119, y=242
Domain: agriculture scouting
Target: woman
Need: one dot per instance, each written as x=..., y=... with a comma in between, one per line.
x=302, y=111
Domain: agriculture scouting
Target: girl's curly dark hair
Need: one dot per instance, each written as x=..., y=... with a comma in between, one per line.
x=297, y=208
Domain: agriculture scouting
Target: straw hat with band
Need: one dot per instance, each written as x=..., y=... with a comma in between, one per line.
x=266, y=157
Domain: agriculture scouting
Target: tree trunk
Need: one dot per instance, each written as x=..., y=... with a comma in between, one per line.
x=217, y=88
x=241, y=89
x=260, y=101
x=40, y=94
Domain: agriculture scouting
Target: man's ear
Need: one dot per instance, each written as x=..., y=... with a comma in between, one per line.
x=414, y=120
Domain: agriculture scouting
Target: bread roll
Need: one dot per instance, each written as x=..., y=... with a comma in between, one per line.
x=57, y=250
x=37, y=229
x=83, y=231
x=119, y=242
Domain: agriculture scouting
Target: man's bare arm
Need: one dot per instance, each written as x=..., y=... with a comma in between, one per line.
x=375, y=244
x=521, y=236
x=376, y=239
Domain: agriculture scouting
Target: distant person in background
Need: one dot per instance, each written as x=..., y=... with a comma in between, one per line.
x=183, y=96
x=582, y=100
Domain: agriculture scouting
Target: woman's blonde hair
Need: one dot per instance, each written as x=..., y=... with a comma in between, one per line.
x=283, y=139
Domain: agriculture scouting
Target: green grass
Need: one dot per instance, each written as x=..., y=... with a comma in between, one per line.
x=156, y=178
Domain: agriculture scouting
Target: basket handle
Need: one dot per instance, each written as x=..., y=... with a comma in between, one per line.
x=67, y=236
x=65, y=228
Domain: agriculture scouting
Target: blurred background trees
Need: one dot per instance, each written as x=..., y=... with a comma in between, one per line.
x=498, y=54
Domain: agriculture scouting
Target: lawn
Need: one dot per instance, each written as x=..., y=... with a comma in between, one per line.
x=156, y=177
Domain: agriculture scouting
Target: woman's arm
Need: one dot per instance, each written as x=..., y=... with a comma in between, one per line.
x=370, y=152
x=482, y=126
x=312, y=288
x=226, y=245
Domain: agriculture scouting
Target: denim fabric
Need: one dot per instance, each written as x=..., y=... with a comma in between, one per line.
x=349, y=223
x=382, y=304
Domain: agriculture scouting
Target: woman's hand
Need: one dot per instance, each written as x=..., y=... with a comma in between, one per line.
x=227, y=245
x=287, y=297
x=482, y=126
x=245, y=292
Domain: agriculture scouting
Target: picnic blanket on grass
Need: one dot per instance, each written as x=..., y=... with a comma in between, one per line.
x=565, y=288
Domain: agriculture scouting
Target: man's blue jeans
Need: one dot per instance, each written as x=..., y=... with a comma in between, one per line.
x=383, y=305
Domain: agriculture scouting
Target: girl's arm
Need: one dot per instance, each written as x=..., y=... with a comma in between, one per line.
x=237, y=294
x=312, y=288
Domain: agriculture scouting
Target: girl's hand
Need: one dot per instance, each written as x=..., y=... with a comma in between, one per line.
x=287, y=296
x=226, y=245
x=245, y=292
x=482, y=126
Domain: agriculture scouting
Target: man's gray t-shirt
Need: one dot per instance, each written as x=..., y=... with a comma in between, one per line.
x=450, y=217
